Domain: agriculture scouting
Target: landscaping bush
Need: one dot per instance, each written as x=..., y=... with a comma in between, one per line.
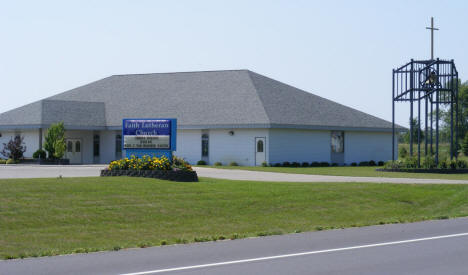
x=181, y=164
x=315, y=164
x=144, y=163
x=403, y=153
x=233, y=163
x=295, y=164
x=10, y=161
x=364, y=163
x=305, y=164
x=353, y=164
x=392, y=165
x=372, y=163
x=324, y=164
x=2, y=161
x=380, y=163
x=461, y=164
x=201, y=162
x=286, y=164
x=14, y=149
x=452, y=164
x=334, y=164
x=443, y=164
x=465, y=145
x=218, y=163
x=411, y=162
x=277, y=165
x=39, y=154
x=429, y=163
x=264, y=164
x=55, y=141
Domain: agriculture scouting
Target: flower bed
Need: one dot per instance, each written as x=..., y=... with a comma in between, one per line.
x=161, y=168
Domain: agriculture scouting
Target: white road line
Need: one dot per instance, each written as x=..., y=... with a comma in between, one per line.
x=295, y=254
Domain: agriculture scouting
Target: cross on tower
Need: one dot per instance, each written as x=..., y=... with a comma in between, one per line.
x=432, y=36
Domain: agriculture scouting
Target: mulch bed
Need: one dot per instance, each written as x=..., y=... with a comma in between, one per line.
x=173, y=175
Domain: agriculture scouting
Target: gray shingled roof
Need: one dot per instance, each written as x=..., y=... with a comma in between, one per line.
x=214, y=99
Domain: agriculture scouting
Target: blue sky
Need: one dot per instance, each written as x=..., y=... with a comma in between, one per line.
x=341, y=50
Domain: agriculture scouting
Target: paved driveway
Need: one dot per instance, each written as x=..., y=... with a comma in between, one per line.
x=53, y=171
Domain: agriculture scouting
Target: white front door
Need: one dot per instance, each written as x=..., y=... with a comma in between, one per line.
x=73, y=150
x=260, y=150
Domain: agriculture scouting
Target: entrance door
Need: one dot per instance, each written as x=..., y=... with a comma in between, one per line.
x=74, y=151
x=260, y=152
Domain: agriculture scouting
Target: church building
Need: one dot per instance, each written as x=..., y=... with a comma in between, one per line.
x=222, y=116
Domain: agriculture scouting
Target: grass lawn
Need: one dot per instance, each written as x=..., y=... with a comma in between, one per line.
x=352, y=171
x=40, y=217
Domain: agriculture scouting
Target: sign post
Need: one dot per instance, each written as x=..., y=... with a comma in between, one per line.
x=152, y=137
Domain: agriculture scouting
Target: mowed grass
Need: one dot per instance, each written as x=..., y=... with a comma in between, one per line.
x=40, y=217
x=351, y=171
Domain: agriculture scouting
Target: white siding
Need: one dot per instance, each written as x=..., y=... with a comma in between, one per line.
x=299, y=145
x=107, y=146
x=366, y=146
x=239, y=147
x=189, y=145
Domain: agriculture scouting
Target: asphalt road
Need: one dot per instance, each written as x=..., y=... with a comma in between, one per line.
x=432, y=247
x=43, y=171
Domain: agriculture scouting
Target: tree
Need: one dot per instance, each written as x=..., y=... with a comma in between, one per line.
x=55, y=141
x=14, y=149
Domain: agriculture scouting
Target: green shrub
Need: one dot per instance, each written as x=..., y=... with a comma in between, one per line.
x=218, y=163
x=372, y=163
x=411, y=162
x=305, y=164
x=353, y=164
x=295, y=164
x=429, y=163
x=39, y=154
x=10, y=161
x=265, y=164
x=452, y=164
x=465, y=145
x=364, y=163
x=286, y=164
x=181, y=164
x=324, y=164
x=334, y=164
x=277, y=164
x=201, y=162
x=233, y=163
x=403, y=153
x=461, y=164
x=55, y=141
x=3, y=161
x=315, y=164
x=443, y=164
x=380, y=163
x=393, y=165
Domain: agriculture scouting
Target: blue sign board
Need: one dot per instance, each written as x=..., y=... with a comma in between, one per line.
x=153, y=137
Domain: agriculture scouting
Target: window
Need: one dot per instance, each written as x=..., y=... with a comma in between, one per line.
x=260, y=146
x=96, y=139
x=118, y=143
x=204, y=144
x=337, y=142
x=69, y=146
x=77, y=146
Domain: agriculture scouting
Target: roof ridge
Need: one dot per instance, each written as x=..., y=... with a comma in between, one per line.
x=186, y=72
x=258, y=95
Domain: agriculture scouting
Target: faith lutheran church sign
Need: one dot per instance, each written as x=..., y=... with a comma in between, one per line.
x=153, y=137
